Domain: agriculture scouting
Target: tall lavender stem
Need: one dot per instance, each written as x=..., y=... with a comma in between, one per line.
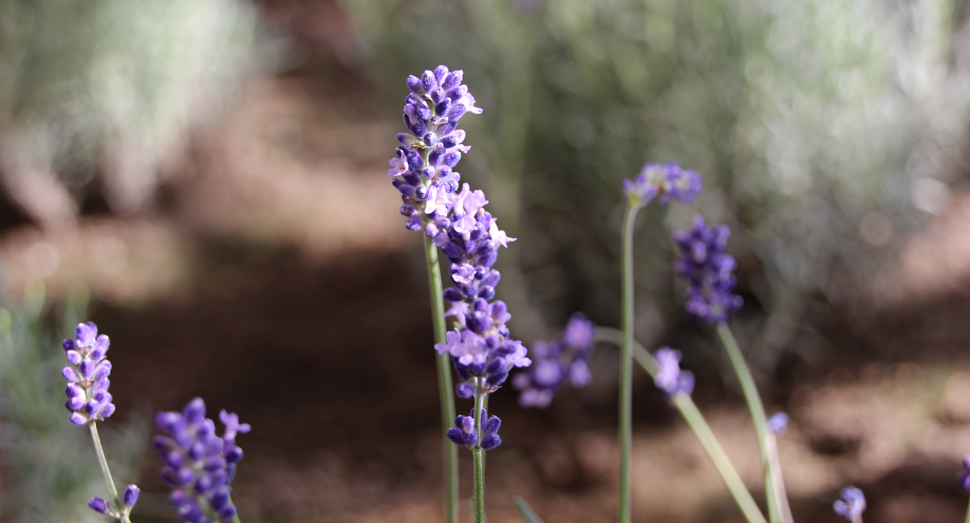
x=479, y=455
x=445, y=386
x=107, y=471
x=750, y=390
x=626, y=362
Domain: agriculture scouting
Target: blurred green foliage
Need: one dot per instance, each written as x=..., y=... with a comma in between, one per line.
x=804, y=118
x=51, y=462
x=111, y=86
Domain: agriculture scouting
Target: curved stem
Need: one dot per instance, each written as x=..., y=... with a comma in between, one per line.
x=750, y=390
x=688, y=409
x=445, y=386
x=119, y=506
x=626, y=361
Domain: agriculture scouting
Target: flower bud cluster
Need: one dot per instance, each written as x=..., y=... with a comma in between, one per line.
x=464, y=433
x=662, y=182
x=422, y=166
x=709, y=271
x=129, y=499
x=199, y=465
x=670, y=378
x=88, y=399
x=563, y=360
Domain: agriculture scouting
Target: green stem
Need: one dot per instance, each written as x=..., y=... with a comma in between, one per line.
x=750, y=391
x=479, y=455
x=445, y=386
x=626, y=361
x=119, y=506
x=701, y=429
x=968, y=514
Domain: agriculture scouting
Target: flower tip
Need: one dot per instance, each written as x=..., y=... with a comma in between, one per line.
x=131, y=495
x=98, y=505
x=778, y=423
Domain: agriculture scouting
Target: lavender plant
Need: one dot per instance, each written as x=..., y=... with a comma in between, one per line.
x=479, y=346
x=89, y=402
x=199, y=465
x=851, y=505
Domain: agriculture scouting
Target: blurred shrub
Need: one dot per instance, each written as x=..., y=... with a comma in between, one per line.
x=110, y=87
x=51, y=462
x=809, y=121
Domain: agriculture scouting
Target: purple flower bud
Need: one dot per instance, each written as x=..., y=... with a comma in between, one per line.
x=778, y=423
x=465, y=390
x=99, y=505
x=74, y=357
x=131, y=495
x=78, y=419
x=70, y=375
x=852, y=504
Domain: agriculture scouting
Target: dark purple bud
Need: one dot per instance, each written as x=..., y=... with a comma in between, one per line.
x=227, y=513
x=415, y=161
x=491, y=441
x=234, y=455
x=214, y=463
x=456, y=436
x=173, y=458
x=196, y=451
x=220, y=498
x=203, y=484
x=447, y=128
x=496, y=366
x=194, y=411
x=486, y=292
x=430, y=139
x=453, y=294
x=74, y=404
x=452, y=80
x=413, y=224
x=131, y=495
x=440, y=73
x=86, y=368
x=69, y=344
x=180, y=498
x=424, y=113
x=421, y=192
x=428, y=81
x=465, y=390
x=436, y=95
x=414, y=84
x=456, y=112
x=99, y=505
x=494, y=380
x=455, y=93
x=412, y=178
x=407, y=210
x=441, y=108
x=191, y=512
x=451, y=159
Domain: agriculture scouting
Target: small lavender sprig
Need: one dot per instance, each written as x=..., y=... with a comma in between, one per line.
x=670, y=378
x=708, y=270
x=199, y=465
x=556, y=363
x=464, y=433
x=851, y=505
x=89, y=401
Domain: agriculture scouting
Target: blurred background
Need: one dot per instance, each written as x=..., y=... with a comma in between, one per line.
x=205, y=180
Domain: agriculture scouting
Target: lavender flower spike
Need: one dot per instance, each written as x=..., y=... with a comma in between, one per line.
x=199, y=465
x=88, y=399
x=965, y=473
x=556, y=363
x=663, y=182
x=852, y=504
x=708, y=270
x=670, y=378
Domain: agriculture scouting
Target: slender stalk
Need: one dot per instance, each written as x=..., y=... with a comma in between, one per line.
x=626, y=361
x=774, y=461
x=479, y=455
x=968, y=514
x=757, y=414
x=119, y=506
x=701, y=429
x=445, y=386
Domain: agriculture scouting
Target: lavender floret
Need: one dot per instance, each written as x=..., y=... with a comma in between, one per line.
x=965, y=473
x=852, y=504
x=561, y=361
x=464, y=434
x=88, y=399
x=198, y=464
x=708, y=270
x=663, y=183
x=670, y=378
x=778, y=423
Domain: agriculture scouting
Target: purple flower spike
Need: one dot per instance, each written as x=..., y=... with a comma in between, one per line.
x=778, y=423
x=561, y=361
x=669, y=377
x=663, y=183
x=87, y=375
x=852, y=504
x=708, y=270
x=197, y=461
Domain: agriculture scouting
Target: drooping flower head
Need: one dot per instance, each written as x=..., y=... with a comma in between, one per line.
x=670, y=378
x=88, y=399
x=851, y=505
x=708, y=270
x=663, y=183
x=129, y=498
x=464, y=433
x=199, y=465
x=556, y=363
